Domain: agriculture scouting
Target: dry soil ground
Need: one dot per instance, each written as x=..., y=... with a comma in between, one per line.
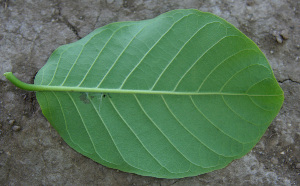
x=32, y=153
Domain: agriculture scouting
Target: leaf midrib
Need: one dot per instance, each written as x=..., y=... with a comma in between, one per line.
x=46, y=88
x=129, y=91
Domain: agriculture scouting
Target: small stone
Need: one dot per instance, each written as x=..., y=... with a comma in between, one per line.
x=16, y=128
x=285, y=34
x=298, y=166
x=274, y=160
x=11, y=122
x=279, y=39
x=277, y=36
x=271, y=52
x=282, y=152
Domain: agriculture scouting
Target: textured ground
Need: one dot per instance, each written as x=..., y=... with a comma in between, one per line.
x=32, y=153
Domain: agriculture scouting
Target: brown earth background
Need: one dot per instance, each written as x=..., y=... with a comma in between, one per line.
x=32, y=152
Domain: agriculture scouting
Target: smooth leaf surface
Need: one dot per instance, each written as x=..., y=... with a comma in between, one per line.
x=179, y=95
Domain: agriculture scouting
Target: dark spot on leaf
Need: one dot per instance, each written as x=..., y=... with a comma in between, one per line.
x=84, y=99
x=104, y=95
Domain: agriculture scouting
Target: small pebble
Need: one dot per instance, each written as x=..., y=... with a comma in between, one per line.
x=11, y=122
x=16, y=128
x=282, y=152
x=279, y=39
x=271, y=52
x=298, y=166
x=277, y=36
x=285, y=34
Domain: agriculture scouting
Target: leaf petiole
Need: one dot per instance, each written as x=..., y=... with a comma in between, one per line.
x=18, y=83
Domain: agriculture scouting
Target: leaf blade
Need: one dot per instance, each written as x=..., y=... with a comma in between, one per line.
x=184, y=88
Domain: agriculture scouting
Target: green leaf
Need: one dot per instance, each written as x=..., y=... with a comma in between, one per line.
x=179, y=95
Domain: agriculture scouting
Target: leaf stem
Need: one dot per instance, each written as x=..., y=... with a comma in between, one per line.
x=14, y=80
x=31, y=87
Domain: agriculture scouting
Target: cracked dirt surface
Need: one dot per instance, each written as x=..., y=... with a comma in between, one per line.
x=31, y=151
